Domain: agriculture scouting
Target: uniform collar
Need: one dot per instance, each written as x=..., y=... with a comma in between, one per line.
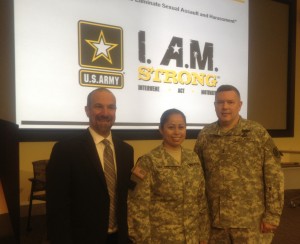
x=238, y=129
x=167, y=159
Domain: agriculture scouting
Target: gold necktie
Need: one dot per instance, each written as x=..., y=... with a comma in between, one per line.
x=110, y=175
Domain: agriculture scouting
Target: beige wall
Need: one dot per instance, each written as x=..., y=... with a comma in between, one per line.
x=30, y=151
x=294, y=142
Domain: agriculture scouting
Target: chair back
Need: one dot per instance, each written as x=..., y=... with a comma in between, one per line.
x=39, y=173
x=38, y=185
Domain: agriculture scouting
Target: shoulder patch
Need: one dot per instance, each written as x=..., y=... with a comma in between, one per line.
x=139, y=172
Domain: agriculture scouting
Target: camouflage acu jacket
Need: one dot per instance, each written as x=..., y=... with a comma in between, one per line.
x=167, y=203
x=244, y=180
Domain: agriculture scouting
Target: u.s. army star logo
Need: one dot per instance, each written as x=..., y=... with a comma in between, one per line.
x=100, y=46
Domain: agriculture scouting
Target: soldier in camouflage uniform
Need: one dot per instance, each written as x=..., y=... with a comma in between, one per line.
x=244, y=180
x=167, y=203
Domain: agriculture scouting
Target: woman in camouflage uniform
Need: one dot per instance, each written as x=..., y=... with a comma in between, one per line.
x=167, y=203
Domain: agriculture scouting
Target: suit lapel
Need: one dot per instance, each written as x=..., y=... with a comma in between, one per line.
x=92, y=155
x=119, y=163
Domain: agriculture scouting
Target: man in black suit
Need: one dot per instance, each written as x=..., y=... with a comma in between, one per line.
x=78, y=195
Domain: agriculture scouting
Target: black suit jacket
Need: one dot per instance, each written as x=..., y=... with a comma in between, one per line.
x=77, y=195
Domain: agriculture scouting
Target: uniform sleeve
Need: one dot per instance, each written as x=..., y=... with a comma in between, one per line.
x=197, y=144
x=204, y=216
x=198, y=149
x=139, y=197
x=274, y=184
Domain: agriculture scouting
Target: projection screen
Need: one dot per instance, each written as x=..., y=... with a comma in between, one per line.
x=153, y=55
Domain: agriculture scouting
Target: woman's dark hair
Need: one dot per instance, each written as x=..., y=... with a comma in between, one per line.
x=166, y=115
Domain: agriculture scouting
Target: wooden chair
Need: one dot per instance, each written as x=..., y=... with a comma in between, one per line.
x=38, y=185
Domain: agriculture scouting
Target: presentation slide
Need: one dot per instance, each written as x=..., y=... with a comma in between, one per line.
x=153, y=55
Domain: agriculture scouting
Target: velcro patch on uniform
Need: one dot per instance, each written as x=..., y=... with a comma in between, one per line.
x=245, y=133
x=139, y=172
